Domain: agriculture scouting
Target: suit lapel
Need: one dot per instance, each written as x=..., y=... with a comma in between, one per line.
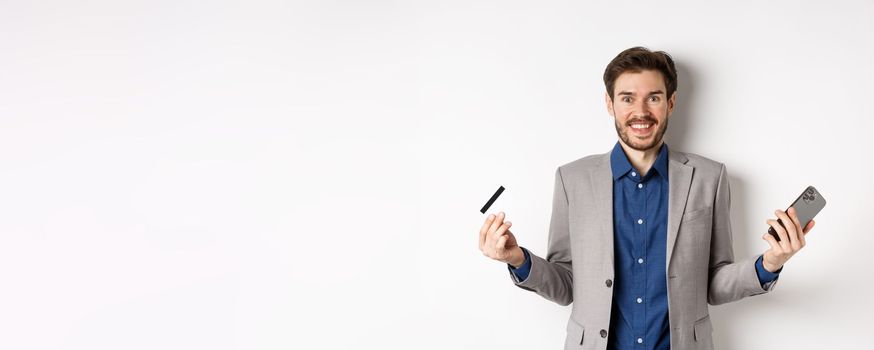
x=679, y=182
x=601, y=180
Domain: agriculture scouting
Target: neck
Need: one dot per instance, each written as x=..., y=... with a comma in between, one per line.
x=642, y=161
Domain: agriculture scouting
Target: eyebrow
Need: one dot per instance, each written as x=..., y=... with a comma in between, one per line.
x=654, y=92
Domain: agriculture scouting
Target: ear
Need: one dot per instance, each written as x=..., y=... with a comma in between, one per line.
x=671, y=102
x=609, y=103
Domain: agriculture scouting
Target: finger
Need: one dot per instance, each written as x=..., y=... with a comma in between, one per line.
x=781, y=232
x=775, y=246
x=500, y=231
x=793, y=214
x=497, y=222
x=491, y=237
x=791, y=229
x=484, y=230
x=489, y=242
x=788, y=224
x=805, y=231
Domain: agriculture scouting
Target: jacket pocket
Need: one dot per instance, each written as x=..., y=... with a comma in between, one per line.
x=698, y=213
x=702, y=333
x=575, y=334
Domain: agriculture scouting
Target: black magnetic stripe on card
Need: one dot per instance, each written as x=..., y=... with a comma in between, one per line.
x=492, y=200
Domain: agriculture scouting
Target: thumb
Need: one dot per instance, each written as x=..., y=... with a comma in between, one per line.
x=501, y=245
x=809, y=226
x=511, y=239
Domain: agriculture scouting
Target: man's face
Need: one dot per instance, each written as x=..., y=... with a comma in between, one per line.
x=640, y=108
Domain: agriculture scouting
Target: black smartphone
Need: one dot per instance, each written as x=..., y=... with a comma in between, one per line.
x=808, y=204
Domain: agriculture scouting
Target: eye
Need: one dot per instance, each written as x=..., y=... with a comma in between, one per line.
x=654, y=98
x=626, y=99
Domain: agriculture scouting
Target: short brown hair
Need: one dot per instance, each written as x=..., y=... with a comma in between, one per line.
x=637, y=59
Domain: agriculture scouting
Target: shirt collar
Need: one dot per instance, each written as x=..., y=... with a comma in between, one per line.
x=620, y=165
x=661, y=162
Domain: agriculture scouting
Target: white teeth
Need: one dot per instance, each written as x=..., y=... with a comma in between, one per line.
x=640, y=126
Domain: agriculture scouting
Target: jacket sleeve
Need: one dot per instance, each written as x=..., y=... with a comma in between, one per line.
x=729, y=280
x=552, y=277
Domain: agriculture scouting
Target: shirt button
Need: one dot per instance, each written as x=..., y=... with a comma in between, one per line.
x=640, y=340
x=639, y=185
x=639, y=300
x=633, y=174
x=640, y=221
x=640, y=261
x=603, y=333
x=609, y=283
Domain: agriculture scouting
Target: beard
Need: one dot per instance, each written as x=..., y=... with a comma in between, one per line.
x=636, y=143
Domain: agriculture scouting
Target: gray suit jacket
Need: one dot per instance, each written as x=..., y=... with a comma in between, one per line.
x=700, y=260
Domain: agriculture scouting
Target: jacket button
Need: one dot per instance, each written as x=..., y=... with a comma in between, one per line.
x=603, y=333
x=609, y=283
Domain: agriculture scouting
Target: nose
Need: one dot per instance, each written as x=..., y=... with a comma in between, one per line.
x=639, y=109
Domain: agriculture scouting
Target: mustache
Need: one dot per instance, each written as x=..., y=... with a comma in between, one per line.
x=644, y=119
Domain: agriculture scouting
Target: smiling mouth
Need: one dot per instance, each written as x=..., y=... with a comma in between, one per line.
x=641, y=128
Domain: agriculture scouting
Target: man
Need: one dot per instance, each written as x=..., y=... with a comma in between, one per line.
x=640, y=237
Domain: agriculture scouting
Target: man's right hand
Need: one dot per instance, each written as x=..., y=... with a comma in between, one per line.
x=497, y=242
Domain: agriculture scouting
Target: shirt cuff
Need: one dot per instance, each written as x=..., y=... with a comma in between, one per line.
x=765, y=276
x=522, y=272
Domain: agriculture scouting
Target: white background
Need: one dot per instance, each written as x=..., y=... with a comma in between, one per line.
x=308, y=175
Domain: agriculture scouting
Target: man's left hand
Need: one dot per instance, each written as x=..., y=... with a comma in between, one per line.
x=791, y=239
